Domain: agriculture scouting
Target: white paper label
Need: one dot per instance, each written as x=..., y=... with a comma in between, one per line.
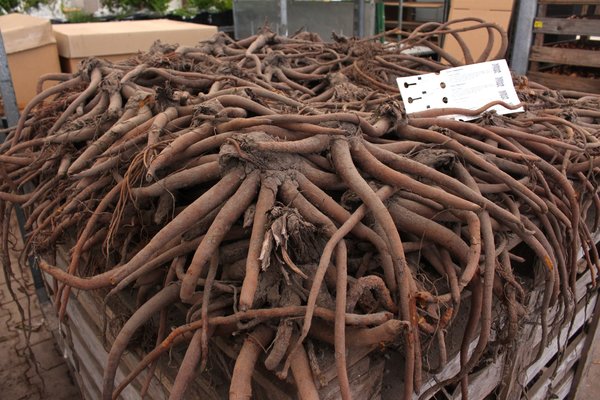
x=470, y=86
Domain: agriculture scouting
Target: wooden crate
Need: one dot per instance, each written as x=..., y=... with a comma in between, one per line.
x=81, y=339
x=544, y=55
x=514, y=372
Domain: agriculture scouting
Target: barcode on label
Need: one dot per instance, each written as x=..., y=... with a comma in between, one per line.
x=499, y=81
x=503, y=94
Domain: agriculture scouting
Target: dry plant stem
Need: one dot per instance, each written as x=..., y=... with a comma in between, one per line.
x=344, y=166
x=303, y=376
x=241, y=380
x=40, y=98
x=187, y=368
x=336, y=242
x=280, y=344
x=210, y=278
x=95, y=78
x=336, y=212
x=184, y=220
x=159, y=301
x=525, y=193
x=266, y=201
x=78, y=249
x=231, y=211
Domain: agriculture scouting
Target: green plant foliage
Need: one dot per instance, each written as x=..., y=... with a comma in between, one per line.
x=79, y=16
x=183, y=12
x=218, y=5
x=135, y=5
x=7, y=6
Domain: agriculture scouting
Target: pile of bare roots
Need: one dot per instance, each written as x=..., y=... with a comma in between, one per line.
x=273, y=188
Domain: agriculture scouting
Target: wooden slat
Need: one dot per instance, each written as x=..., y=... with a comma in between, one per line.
x=563, y=26
x=565, y=387
x=583, y=58
x=556, y=81
x=424, y=4
x=523, y=354
x=404, y=23
x=483, y=382
x=556, y=373
x=414, y=4
x=89, y=319
x=484, y=378
x=569, y=2
x=88, y=370
x=593, y=336
x=560, y=340
x=538, y=38
x=95, y=348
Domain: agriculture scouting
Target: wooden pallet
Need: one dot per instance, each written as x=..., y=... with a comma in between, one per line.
x=513, y=373
x=544, y=55
x=82, y=340
x=517, y=374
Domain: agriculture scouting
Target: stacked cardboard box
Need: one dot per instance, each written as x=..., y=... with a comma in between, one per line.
x=31, y=50
x=122, y=39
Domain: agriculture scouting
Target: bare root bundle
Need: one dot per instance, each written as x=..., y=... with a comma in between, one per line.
x=275, y=188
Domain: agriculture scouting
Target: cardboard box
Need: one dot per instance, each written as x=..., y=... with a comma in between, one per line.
x=497, y=12
x=31, y=50
x=497, y=5
x=119, y=40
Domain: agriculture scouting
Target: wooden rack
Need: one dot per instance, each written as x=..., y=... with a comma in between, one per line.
x=546, y=53
x=395, y=12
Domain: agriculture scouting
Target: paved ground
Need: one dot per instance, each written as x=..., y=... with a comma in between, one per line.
x=18, y=376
